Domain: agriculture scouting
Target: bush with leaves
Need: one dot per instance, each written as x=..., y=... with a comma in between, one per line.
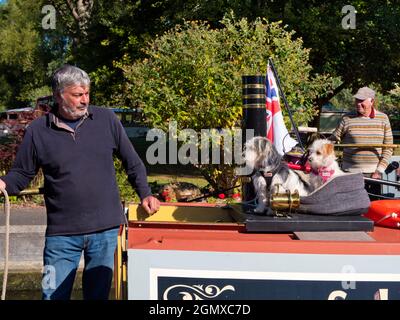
x=390, y=104
x=193, y=75
x=126, y=191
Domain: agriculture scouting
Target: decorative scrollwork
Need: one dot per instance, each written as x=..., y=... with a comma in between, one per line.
x=197, y=292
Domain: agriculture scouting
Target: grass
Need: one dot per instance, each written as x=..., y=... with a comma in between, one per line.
x=165, y=179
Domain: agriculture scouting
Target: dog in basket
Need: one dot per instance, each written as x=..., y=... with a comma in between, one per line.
x=322, y=160
x=271, y=173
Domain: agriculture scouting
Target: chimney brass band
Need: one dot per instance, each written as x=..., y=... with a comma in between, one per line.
x=254, y=118
x=250, y=86
x=254, y=96
x=253, y=91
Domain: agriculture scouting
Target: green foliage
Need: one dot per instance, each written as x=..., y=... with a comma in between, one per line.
x=28, y=53
x=31, y=94
x=390, y=104
x=5, y=92
x=370, y=53
x=192, y=74
x=18, y=35
x=125, y=189
x=18, y=46
x=113, y=32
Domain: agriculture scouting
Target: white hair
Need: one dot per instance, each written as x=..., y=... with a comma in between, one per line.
x=67, y=76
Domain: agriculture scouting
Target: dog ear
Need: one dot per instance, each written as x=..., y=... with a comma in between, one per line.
x=328, y=149
x=273, y=157
x=260, y=144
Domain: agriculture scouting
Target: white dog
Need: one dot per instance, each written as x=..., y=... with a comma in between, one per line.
x=262, y=156
x=322, y=160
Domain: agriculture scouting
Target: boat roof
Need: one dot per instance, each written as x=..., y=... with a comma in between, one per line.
x=208, y=227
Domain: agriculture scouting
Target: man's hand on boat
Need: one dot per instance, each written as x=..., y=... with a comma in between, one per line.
x=150, y=204
x=376, y=175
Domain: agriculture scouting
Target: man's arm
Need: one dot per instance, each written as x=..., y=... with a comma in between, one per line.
x=24, y=167
x=386, y=152
x=338, y=132
x=134, y=168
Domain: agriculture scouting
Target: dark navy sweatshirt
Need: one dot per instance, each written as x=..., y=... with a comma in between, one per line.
x=80, y=188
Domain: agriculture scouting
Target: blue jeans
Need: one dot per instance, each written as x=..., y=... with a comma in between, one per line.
x=61, y=260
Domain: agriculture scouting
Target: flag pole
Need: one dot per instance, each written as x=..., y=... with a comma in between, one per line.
x=286, y=104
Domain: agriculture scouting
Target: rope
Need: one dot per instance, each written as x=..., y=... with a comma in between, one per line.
x=252, y=202
x=384, y=218
x=7, y=242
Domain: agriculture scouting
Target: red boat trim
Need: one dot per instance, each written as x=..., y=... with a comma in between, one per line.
x=387, y=242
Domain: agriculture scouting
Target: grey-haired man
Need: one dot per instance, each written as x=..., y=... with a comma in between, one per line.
x=74, y=145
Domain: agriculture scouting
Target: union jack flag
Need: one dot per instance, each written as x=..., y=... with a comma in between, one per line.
x=277, y=132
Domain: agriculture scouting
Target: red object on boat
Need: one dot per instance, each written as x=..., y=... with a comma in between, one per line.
x=306, y=168
x=385, y=213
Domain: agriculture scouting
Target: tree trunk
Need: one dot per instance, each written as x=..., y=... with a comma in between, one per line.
x=81, y=11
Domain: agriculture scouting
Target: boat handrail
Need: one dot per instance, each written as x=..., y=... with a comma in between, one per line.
x=354, y=145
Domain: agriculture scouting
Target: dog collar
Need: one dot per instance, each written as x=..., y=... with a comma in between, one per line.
x=268, y=175
x=324, y=173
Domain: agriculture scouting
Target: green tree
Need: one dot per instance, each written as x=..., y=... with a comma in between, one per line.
x=28, y=52
x=100, y=33
x=366, y=55
x=96, y=35
x=192, y=74
x=389, y=103
x=18, y=43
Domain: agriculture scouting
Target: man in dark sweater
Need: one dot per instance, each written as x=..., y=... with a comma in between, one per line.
x=74, y=145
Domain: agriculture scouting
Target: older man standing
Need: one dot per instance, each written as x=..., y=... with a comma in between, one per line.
x=366, y=126
x=74, y=145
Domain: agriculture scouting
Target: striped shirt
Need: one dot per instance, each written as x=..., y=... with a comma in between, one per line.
x=356, y=129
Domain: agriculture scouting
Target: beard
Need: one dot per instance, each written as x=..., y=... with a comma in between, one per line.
x=79, y=112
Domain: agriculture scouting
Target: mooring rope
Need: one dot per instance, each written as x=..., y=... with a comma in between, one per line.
x=6, y=243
